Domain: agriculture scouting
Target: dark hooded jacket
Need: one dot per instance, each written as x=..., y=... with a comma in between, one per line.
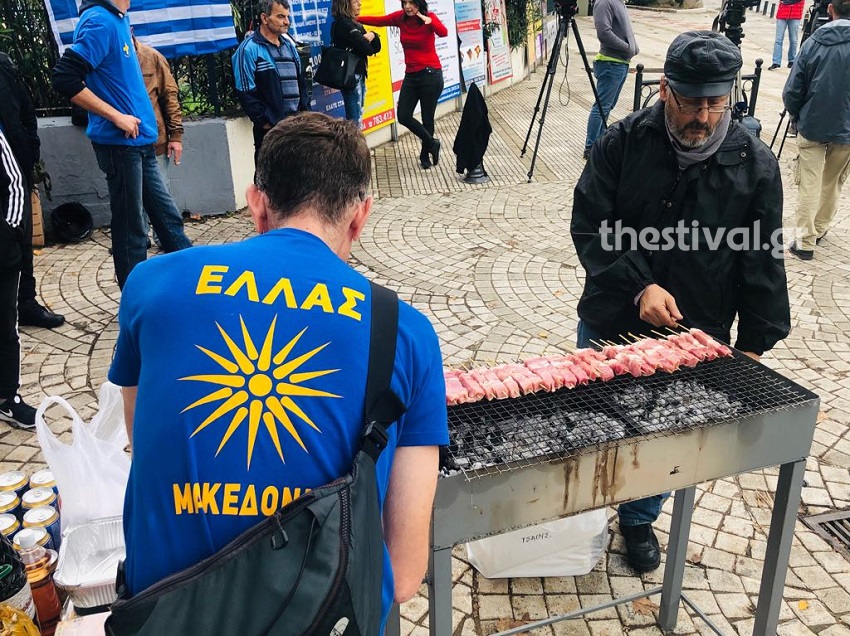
x=17, y=116
x=633, y=177
x=817, y=92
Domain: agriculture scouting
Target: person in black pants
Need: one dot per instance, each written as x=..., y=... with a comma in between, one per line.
x=423, y=78
x=13, y=224
x=17, y=117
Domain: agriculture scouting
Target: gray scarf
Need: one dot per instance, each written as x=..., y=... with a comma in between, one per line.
x=687, y=157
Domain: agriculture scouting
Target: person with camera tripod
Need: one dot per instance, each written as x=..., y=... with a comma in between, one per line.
x=665, y=171
x=617, y=46
x=817, y=98
x=788, y=17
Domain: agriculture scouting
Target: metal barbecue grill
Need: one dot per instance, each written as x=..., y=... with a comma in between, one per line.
x=517, y=462
x=503, y=435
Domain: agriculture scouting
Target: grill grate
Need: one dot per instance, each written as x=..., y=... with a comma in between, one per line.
x=834, y=527
x=503, y=435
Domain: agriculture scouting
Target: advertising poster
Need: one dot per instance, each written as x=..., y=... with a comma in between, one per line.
x=446, y=49
x=471, y=35
x=311, y=23
x=499, y=49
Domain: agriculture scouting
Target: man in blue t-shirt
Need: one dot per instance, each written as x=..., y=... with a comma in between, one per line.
x=100, y=73
x=259, y=398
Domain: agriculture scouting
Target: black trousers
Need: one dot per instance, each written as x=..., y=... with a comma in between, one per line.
x=26, y=289
x=10, y=272
x=424, y=88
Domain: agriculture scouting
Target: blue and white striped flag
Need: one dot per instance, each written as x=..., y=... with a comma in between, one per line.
x=172, y=27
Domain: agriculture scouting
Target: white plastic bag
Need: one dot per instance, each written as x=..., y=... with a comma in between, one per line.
x=565, y=547
x=91, y=472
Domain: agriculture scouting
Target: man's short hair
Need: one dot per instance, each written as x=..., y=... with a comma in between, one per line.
x=266, y=6
x=313, y=160
x=841, y=8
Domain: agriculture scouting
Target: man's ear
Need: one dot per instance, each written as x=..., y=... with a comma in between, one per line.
x=258, y=203
x=663, y=90
x=358, y=221
x=831, y=11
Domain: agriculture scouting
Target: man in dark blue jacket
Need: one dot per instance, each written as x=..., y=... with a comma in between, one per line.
x=817, y=97
x=267, y=70
x=100, y=73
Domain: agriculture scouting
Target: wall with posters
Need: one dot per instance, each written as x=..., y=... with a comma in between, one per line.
x=499, y=49
x=471, y=35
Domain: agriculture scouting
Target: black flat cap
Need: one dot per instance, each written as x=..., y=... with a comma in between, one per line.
x=702, y=64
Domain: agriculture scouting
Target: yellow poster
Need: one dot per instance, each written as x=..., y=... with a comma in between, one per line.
x=378, y=111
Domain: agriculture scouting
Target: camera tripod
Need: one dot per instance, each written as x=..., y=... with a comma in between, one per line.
x=566, y=18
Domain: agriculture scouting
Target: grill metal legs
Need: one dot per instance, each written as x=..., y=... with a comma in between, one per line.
x=677, y=552
x=786, y=502
x=440, y=592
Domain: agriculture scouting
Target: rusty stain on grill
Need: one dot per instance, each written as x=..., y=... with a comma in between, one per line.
x=498, y=436
x=834, y=527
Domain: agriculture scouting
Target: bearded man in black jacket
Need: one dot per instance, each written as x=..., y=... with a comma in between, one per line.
x=677, y=219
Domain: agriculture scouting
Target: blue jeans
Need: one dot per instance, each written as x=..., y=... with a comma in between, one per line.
x=610, y=77
x=135, y=183
x=644, y=510
x=793, y=27
x=354, y=100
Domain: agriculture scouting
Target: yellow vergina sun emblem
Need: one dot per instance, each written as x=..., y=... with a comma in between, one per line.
x=250, y=391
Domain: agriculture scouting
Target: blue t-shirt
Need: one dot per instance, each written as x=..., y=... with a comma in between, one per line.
x=250, y=361
x=104, y=41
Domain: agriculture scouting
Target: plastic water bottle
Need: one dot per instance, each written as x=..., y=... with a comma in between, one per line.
x=36, y=561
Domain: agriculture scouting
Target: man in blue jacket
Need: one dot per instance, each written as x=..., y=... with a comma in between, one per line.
x=817, y=97
x=267, y=70
x=100, y=73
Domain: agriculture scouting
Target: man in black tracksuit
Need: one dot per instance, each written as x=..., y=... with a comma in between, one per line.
x=677, y=219
x=17, y=116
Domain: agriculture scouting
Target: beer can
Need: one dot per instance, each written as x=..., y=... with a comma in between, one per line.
x=45, y=517
x=38, y=497
x=9, y=525
x=10, y=503
x=42, y=538
x=14, y=480
x=43, y=479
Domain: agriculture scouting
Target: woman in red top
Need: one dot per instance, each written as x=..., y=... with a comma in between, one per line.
x=788, y=16
x=423, y=77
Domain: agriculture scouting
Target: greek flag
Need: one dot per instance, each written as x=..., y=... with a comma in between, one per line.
x=173, y=27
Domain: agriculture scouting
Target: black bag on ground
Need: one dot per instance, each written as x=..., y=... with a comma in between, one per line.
x=313, y=568
x=337, y=67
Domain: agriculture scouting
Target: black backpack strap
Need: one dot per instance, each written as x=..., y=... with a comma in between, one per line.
x=382, y=406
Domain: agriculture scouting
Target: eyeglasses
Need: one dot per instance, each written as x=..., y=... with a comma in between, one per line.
x=689, y=109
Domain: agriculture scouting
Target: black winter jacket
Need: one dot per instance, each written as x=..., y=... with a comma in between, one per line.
x=17, y=116
x=348, y=34
x=633, y=177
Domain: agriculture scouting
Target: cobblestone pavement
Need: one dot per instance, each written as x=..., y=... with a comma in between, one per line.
x=493, y=267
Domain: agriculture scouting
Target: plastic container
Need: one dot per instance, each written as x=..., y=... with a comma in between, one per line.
x=10, y=503
x=14, y=587
x=14, y=480
x=9, y=525
x=45, y=517
x=36, y=560
x=42, y=538
x=88, y=562
x=38, y=497
x=44, y=479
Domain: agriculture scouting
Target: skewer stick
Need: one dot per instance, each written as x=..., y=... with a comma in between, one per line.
x=624, y=339
x=675, y=333
x=678, y=326
x=594, y=342
x=636, y=338
x=658, y=333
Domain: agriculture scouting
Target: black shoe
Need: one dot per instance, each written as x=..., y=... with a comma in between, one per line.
x=18, y=413
x=821, y=237
x=425, y=161
x=803, y=255
x=32, y=314
x=586, y=153
x=435, y=151
x=642, y=550
x=773, y=67
x=790, y=64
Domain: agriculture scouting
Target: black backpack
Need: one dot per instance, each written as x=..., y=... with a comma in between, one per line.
x=312, y=568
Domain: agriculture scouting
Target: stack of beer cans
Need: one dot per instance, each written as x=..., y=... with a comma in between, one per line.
x=30, y=503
